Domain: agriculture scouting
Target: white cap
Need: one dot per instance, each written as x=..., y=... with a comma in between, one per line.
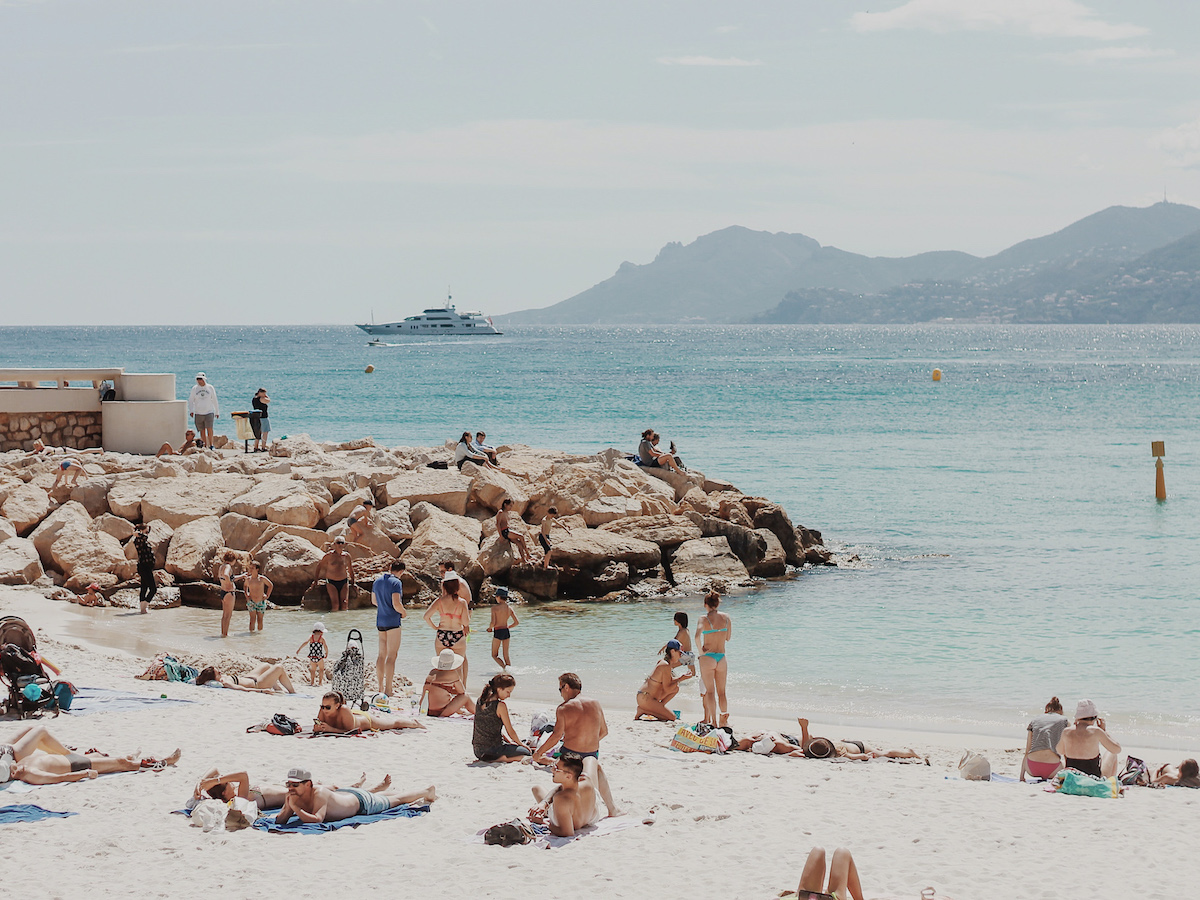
x=320, y=626
x=201, y=375
x=765, y=745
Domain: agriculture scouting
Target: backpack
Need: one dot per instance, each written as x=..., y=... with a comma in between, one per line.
x=281, y=724
x=349, y=672
x=64, y=694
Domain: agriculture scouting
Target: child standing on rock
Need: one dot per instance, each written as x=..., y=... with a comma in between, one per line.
x=503, y=618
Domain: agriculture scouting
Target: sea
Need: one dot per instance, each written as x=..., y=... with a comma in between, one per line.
x=997, y=532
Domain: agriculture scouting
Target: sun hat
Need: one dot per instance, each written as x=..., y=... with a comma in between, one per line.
x=447, y=661
x=340, y=539
x=320, y=626
x=673, y=644
x=297, y=773
x=820, y=748
x=501, y=592
x=1086, y=709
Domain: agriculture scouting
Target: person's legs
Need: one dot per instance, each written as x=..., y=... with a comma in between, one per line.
x=106, y=765
x=272, y=675
x=1108, y=763
x=504, y=649
x=312, y=671
x=461, y=649
x=496, y=652
x=456, y=704
x=708, y=668
x=428, y=795
x=35, y=737
x=895, y=754
x=720, y=673
x=227, y=603
x=343, y=597
x=602, y=786
x=843, y=875
x=389, y=662
x=812, y=878
x=380, y=657
x=334, y=598
x=648, y=706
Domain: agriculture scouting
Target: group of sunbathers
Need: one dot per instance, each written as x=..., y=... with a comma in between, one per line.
x=35, y=756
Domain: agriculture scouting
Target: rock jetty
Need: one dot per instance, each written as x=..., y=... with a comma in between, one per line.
x=622, y=532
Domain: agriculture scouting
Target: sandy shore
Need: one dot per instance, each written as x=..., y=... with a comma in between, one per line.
x=732, y=826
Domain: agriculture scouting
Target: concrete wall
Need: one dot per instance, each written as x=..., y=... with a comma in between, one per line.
x=80, y=430
x=143, y=427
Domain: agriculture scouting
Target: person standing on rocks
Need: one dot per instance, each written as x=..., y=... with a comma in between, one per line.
x=145, y=567
x=547, y=526
x=360, y=521
x=514, y=536
x=337, y=568
x=260, y=402
x=203, y=408
x=387, y=593
x=258, y=592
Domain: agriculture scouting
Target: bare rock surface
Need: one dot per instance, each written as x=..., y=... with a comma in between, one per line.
x=445, y=489
x=19, y=561
x=180, y=500
x=707, y=556
x=78, y=548
x=589, y=547
x=290, y=563
x=25, y=506
x=664, y=530
x=193, y=548
x=44, y=536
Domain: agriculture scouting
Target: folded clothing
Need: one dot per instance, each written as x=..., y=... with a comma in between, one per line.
x=27, y=812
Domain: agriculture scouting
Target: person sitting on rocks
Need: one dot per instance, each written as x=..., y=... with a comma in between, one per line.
x=265, y=678
x=482, y=446
x=310, y=802
x=652, y=457
x=507, y=529
x=190, y=445
x=465, y=452
x=35, y=756
x=91, y=596
x=661, y=686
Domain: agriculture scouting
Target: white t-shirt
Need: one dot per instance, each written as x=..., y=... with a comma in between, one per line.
x=203, y=400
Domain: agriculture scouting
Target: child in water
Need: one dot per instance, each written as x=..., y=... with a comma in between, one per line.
x=502, y=616
x=317, y=651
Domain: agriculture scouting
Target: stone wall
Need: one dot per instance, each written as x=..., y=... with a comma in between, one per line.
x=80, y=430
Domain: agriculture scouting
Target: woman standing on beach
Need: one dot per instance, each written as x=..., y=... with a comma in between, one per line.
x=1041, y=759
x=713, y=630
x=228, y=590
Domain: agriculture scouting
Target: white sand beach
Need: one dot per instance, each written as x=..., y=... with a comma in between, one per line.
x=731, y=826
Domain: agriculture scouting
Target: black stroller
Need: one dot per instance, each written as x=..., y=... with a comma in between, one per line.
x=20, y=669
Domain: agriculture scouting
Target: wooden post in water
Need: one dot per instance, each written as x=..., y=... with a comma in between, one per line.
x=1158, y=450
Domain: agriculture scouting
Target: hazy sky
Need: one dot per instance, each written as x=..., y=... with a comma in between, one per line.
x=293, y=161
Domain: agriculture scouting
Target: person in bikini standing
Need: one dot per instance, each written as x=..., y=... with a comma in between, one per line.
x=228, y=590
x=579, y=723
x=453, y=619
x=712, y=632
x=337, y=568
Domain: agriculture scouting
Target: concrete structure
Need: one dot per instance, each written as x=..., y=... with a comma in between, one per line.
x=62, y=407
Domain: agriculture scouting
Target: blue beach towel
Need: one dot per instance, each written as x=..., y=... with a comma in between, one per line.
x=90, y=701
x=267, y=821
x=27, y=812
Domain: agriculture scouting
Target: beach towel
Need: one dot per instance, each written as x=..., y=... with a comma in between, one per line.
x=267, y=821
x=27, y=812
x=90, y=700
x=544, y=840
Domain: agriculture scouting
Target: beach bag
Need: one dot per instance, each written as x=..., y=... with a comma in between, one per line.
x=974, y=767
x=506, y=834
x=64, y=694
x=688, y=741
x=1081, y=785
x=281, y=724
x=349, y=672
x=1134, y=773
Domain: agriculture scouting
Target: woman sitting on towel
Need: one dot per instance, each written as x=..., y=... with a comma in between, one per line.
x=336, y=717
x=444, y=685
x=264, y=678
x=1041, y=759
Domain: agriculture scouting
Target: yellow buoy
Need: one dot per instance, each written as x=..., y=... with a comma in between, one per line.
x=369, y=369
x=937, y=374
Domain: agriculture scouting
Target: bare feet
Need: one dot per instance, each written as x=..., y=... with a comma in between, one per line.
x=173, y=758
x=430, y=793
x=383, y=785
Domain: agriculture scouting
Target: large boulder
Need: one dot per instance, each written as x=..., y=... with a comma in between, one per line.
x=318, y=539
x=44, y=536
x=299, y=508
x=341, y=509
x=78, y=548
x=496, y=556
x=25, y=506
x=748, y=545
x=535, y=580
x=440, y=537
x=666, y=531
x=160, y=541
x=600, y=491
x=177, y=501
x=194, y=546
x=19, y=562
x=256, y=501
x=290, y=563
x=242, y=532
x=682, y=482
x=394, y=522
x=7, y=530
x=119, y=528
x=445, y=489
x=707, y=557
x=490, y=487
x=774, y=560
x=775, y=519
x=93, y=494
x=125, y=497
x=589, y=548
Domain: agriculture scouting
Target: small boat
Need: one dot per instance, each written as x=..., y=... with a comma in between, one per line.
x=439, y=321
x=379, y=343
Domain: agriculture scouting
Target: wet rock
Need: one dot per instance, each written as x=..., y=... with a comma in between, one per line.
x=534, y=580
x=775, y=519
x=773, y=563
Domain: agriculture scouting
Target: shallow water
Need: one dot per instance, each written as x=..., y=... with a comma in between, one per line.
x=1009, y=544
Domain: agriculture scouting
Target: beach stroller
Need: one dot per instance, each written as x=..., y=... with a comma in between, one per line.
x=29, y=688
x=349, y=672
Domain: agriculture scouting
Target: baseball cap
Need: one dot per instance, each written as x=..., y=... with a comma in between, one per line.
x=201, y=375
x=673, y=644
x=340, y=539
x=296, y=773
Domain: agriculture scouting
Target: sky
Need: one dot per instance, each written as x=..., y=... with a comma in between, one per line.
x=320, y=161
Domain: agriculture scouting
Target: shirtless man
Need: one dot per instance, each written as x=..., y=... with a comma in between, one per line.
x=258, y=592
x=505, y=527
x=35, y=756
x=453, y=617
x=1080, y=745
x=337, y=568
x=224, y=786
x=661, y=685
x=315, y=803
x=571, y=804
x=579, y=723
x=69, y=471
x=360, y=521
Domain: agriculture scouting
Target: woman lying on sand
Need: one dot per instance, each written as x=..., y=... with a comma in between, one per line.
x=1186, y=774
x=264, y=678
x=815, y=747
x=215, y=786
x=35, y=756
x=843, y=877
x=335, y=717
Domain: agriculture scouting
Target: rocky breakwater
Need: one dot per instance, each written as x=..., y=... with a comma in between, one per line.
x=622, y=532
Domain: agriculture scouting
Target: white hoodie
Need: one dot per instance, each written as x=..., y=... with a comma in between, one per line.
x=203, y=400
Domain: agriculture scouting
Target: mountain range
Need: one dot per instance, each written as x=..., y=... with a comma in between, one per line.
x=1122, y=264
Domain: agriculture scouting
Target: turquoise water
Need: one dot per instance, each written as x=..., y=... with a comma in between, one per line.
x=1008, y=541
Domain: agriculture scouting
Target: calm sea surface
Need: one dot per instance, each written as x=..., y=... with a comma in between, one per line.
x=1009, y=544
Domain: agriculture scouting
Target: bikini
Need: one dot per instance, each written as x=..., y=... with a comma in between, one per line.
x=1086, y=766
x=237, y=679
x=448, y=638
x=716, y=657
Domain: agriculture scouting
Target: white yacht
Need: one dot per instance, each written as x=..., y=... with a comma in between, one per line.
x=444, y=320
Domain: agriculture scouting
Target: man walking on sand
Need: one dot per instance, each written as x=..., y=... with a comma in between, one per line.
x=203, y=408
x=579, y=723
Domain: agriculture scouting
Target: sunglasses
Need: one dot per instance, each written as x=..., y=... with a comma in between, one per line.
x=293, y=784
x=326, y=706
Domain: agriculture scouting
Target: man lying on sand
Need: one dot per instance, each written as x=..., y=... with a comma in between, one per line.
x=579, y=723
x=573, y=802
x=310, y=802
x=34, y=756
x=815, y=747
x=224, y=787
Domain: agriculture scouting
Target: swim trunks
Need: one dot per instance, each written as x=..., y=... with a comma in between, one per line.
x=449, y=638
x=79, y=763
x=338, y=583
x=205, y=420
x=544, y=542
x=368, y=804
x=565, y=753
x=501, y=634
x=504, y=534
x=66, y=464
x=256, y=605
